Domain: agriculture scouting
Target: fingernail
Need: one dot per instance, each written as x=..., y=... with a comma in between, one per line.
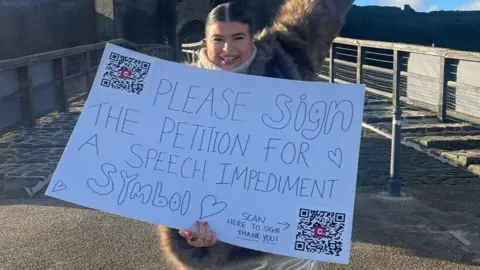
x=198, y=222
x=206, y=222
x=188, y=234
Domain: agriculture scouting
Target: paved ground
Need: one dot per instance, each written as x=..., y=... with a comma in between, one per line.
x=44, y=233
x=437, y=228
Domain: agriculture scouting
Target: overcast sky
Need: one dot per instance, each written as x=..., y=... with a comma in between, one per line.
x=426, y=5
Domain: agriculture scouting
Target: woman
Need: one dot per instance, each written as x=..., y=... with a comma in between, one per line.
x=294, y=47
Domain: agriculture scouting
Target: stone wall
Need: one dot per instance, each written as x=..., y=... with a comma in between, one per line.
x=29, y=27
x=141, y=23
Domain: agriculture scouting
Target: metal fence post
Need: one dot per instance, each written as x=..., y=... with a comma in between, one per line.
x=360, y=62
x=442, y=89
x=394, y=185
x=332, y=62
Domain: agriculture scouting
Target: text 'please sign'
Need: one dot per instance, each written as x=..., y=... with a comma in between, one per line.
x=270, y=163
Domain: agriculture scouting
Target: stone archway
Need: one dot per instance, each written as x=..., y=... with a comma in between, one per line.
x=194, y=17
x=191, y=32
x=191, y=15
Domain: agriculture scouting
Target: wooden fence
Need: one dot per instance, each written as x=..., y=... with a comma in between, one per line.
x=443, y=81
x=36, y=85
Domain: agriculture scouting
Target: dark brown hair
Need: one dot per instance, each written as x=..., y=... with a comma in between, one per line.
x=231, y=12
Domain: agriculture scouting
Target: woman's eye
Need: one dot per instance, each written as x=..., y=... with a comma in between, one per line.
x=239, y=38
x=217, y=40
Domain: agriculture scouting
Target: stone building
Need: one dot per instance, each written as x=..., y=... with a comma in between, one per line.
x=147, y=20
x=57, y=24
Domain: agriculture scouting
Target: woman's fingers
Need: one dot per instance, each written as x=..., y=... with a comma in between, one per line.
x=208, y=238
x=196, y=231
x=193, y=242
x=200, y=235
x=211, y=238
x=214, y=238
x=203, y=232
x=185, y=233
x=188, y=235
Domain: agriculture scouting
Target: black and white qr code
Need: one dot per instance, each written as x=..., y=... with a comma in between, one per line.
x=320, y=232
x=125, y=73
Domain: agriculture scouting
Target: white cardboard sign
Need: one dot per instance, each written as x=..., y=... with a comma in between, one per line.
x=271, y=164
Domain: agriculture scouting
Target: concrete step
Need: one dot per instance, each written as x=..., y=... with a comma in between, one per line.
x=377, y=101
x=57, y=121
x=6, y=138
x=474, y=169
x=450, y=142
x=464, y=157
x=440, y=127
x=77, y=109
x=24, y=179
x=377, y=107
x=58, y=116
x=386, y=116
x=411, y=128
x=78, y=104
x=22, y=186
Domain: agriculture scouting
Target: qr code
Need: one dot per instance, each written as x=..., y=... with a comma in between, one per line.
x=320, y=232
x=125, y=73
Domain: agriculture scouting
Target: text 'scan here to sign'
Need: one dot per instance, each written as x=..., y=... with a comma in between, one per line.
x=271, y=164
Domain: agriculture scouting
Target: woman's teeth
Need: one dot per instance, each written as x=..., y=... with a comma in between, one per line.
x=229, y=58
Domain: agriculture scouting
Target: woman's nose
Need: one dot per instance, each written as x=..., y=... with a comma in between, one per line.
x=228, y=46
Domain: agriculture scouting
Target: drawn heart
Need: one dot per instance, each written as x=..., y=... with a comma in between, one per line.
x=59, y=186
x=211, y=207
x=336, y=157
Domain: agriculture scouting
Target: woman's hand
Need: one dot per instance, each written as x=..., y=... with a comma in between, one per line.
x=200, y=235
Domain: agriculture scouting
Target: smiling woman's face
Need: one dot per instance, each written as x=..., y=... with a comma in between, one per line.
x=229, y=44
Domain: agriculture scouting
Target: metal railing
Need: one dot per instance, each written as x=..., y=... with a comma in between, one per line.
x=191, y=50
x=36, y=85
x=374, y=64
x=33, y=86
